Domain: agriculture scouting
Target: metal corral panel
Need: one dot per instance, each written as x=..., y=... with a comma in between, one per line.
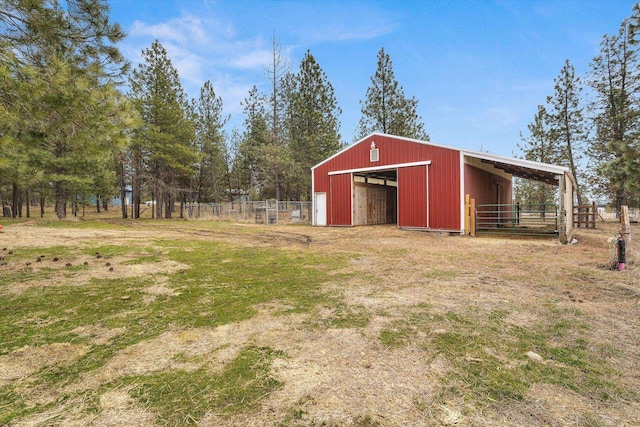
x=341, y=208
x=443, y=173
x=412, y=197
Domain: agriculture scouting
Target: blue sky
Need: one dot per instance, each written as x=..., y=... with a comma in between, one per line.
x=478, y=68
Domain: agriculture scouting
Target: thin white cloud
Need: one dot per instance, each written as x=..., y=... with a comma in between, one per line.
x=340, y=21
x=232, y=91
x=207, y=38
x=342, y=31
x=208, y=47
x=162, y=31
x=203, y=48
x=254, y=59
x=185, y=29
x=190, y=65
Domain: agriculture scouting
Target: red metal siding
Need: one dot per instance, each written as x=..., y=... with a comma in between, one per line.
x=444, y=176
x=412, y=197
x=444, y=191
x=341, y=198
x=481, y=185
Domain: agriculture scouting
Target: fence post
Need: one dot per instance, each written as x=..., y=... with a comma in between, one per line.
x=467, y=214
x=472, y=208
x=625, y=224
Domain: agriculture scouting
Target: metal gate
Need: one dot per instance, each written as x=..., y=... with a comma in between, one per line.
x=521, y=219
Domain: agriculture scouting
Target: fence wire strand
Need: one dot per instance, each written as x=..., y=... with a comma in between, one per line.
x=259, y=212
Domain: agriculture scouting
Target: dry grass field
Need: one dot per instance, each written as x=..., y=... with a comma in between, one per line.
x=112, y=323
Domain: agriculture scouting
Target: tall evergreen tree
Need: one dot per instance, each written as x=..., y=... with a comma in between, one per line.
x=210, y=138
x=615, y=79
x=386, y=109
x=65, y=64
x=566, y=121
x=249, y=165
x=234, y=175
x=540, y=146
x=312, y=121
x=163, y=149
x=634, y=24
x=276, y=71
x=276, y=152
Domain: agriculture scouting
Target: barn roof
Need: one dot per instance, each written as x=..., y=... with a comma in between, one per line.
x=537, y=171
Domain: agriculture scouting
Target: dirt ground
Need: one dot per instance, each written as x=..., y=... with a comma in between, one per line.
x=345, y=376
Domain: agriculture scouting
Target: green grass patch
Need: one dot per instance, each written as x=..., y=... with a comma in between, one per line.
x=182, y=398
x=437, y=273
x=489, y=354
x=79, y=223
x=340, y=316
x=401, y=332
x=144, y=259
x=11, y=405
x=229, y=281
x=221, y=283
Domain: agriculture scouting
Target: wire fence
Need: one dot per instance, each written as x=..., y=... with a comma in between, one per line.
x=261, y=212
x=608, y=215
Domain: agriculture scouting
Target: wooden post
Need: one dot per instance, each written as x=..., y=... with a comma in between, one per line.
x=565, y=215
x=472, y=208
x=467, y=215
x=625, y=224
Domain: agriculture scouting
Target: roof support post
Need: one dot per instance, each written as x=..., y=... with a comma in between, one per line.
x=564, y=217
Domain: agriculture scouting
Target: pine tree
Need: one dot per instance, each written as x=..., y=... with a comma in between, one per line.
x=275, y=154
x=540, y=146
x=234, y=175
x=64, y=66
x=386, y=109
x=615, y=79
x=210, y=138
x=249, y=165
x=312, y=121
x=163, y=149
x=566, y=120
x=634, y=24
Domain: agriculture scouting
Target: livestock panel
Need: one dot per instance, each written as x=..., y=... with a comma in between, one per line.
x=489, y=189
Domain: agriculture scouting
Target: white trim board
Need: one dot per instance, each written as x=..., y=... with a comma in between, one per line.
x=381, y=168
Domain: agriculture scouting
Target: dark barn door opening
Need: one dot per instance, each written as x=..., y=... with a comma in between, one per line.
x=375, y=197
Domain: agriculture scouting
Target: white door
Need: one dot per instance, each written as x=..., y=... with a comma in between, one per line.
x=321, y=208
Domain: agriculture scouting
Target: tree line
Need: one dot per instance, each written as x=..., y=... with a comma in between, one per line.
x=597, y=135
x=77, y=124
x=70, y=133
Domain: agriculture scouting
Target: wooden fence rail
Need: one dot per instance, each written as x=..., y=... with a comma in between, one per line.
x=585, y=215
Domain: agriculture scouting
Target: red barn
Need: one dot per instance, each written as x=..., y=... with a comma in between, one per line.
x=385, y=179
